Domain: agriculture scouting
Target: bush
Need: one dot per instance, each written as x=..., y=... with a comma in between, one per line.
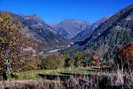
x=26, y=64
x=54, y=61
x=79, y=60
x=69, y=62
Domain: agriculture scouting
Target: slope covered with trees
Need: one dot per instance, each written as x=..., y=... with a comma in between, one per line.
x=110, y=35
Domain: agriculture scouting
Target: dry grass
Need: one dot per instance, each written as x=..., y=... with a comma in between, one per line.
x=31, y=84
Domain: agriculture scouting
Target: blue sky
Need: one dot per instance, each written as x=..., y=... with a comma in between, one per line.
x=53, y=11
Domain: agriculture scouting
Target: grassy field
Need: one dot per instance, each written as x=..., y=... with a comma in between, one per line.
x=33, y=75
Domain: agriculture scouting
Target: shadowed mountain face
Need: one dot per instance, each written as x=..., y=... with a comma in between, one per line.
x=69, y=28
x=88, y=31
x=40, y=31
x=110, y=35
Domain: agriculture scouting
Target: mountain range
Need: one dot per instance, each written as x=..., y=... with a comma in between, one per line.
x=50, y=36
x=105, y=36
x=40, y=31
x=109, y=36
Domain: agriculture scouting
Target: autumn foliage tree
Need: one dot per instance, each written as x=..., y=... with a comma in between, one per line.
x=12, y=43
x=8, y=41
x=125, y=56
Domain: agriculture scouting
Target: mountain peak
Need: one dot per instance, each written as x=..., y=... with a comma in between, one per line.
x=70, y=27
x=75, y=21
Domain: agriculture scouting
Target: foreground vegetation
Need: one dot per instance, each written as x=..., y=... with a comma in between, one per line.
x=95, y=80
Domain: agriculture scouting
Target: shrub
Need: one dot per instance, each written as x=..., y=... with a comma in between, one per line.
x=26, y=64
x=79, y=59
x=69, y=62
x=53, y=61
x=124, y=57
